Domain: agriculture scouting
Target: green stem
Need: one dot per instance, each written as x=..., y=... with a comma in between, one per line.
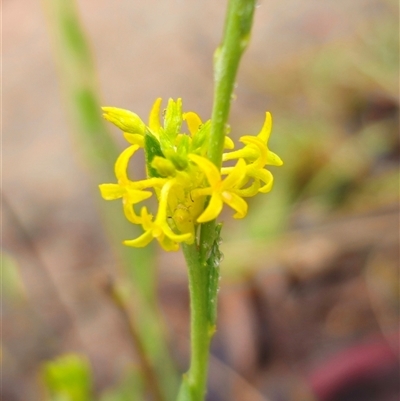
x=200, y=333
x=238, y=24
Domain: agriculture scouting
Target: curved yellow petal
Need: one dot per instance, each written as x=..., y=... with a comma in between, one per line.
x=226, y=170
x=111, y=191
x=121, y=165
x=154, y=117
x=193, y=122
x=133, y=196
x=141, y=241
x=266, y=128
x=130, y=214
x=228, y=143
x=213, y=209
x=250, y=191
x=175, y=237
x=209, y=169
x=262, y=149
x=263, y=175
x=200, y=192
x=236, y=203
x=146, y=218
x=236, y=176
x=244, y=153
x=273, y=159
x=154, y=182
x=134, y=139
x=163, y=205
x=161, y=222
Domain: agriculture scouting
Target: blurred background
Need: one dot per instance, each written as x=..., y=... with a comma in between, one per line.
x=309, y=296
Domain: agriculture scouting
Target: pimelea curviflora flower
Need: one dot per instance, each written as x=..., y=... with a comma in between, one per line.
x=190, y=189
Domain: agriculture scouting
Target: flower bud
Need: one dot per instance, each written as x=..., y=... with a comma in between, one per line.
x=124, y=119
x=163, y=166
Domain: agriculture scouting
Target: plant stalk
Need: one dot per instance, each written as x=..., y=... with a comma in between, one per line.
x=238, y=22
x=200, y=333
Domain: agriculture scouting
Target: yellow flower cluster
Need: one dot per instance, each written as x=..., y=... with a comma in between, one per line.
x=189, y=187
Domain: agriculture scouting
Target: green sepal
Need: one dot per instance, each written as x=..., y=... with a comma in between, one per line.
x=199, y=142
x=173, y=120
x=179, y=162
x=163, y=166
x=172, y=127
x=166, y=145
x=183, y=146
x=152, y=149
x=180, y=156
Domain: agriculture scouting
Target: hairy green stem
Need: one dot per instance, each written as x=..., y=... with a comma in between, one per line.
x=239, y=19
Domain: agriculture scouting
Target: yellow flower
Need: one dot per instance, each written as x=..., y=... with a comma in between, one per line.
x=253, y=149
x=184, y=208
x=181, y=175
x=130, y=123
x=255, y=169
x=221, y=191
x=257, y=155
x=130, y=192
x=124, y=119
x=159, y=228
x=260, y=175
